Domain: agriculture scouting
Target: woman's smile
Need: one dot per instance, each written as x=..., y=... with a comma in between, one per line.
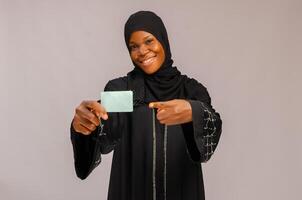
x=148, y=61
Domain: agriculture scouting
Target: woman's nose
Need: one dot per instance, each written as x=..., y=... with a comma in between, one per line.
x=143, y=50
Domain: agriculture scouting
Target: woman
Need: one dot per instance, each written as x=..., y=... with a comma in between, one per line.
x=158, y=147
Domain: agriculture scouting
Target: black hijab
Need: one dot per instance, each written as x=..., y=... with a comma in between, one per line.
x=164, y=84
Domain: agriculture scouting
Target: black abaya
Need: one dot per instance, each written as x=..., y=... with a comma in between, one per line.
x=130, y=136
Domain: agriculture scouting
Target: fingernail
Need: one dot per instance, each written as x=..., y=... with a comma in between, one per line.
x=151, y=105
x=105, y=116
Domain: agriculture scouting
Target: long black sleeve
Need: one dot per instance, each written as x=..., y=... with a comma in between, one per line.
x=87, y=150
x=203, y=133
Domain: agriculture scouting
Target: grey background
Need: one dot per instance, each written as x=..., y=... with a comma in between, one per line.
x=54, y=54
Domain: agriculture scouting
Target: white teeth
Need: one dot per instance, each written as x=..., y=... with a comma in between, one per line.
x=148, y=61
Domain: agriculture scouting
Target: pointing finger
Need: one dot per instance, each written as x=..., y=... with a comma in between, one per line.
x=156, y=105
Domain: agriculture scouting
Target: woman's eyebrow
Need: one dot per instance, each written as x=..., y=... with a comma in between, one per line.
x=131, y=42
x=144, y=38
x=148, y=37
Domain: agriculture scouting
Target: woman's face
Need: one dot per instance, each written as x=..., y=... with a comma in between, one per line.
x=146, y=51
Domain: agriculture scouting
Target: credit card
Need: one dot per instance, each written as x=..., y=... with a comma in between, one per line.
x=117, y=101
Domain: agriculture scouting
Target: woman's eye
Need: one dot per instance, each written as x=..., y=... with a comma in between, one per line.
x=133, y=47
x=149, y=41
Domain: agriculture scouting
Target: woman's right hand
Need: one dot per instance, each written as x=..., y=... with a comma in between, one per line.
x=88, y=116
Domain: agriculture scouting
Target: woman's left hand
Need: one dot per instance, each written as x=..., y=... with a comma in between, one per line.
x=177, y=111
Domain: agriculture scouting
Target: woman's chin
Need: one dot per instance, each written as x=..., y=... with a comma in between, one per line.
x=149, y=69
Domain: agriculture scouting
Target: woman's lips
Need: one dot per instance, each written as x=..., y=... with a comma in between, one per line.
x=148, y=61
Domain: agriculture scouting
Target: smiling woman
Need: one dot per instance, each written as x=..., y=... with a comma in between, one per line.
x=158, y=147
